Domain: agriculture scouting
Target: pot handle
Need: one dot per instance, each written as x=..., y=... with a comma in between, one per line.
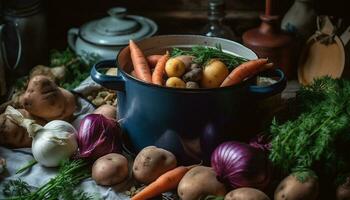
x=273, y=89
x=110, y=82
x=72, y=37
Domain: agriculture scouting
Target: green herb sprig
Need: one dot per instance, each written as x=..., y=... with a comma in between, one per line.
x=316, y=139
x=203, y=54
x=70, y=174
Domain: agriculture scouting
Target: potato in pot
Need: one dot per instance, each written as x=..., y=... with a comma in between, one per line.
x=214, y=73
x=151, y=162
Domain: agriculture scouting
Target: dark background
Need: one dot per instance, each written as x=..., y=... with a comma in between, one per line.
x=172, y=16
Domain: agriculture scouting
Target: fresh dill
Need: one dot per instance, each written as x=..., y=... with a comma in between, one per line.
x=203, y=54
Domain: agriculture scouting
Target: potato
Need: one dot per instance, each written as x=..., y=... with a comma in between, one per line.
x=343, y=190
x=54, y=73
x=151, y=162
x=193, y=75
x=194, y=66
x=187, y=60
x=246, y=193
x=174, y=67
x=214, y=73
x=13, y=135
x=107, y=111
x=110, y=169
x=175, y=82
x=192, y=85
x=45, y=100
x=112, y=71
x=292, y=189
x=200, y=182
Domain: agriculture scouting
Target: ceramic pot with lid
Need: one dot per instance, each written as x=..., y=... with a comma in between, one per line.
x=103, y=38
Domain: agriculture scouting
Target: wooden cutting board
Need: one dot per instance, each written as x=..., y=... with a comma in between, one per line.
x=323, y=59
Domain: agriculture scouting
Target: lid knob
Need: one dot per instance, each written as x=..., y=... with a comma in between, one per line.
x=117, y=12
x=118, y=23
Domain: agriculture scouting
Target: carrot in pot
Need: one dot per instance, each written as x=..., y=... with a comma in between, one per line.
x=245, y=70
x=168, y=181
x=153, y=59
x=139, y=62
x=133, y=73
x=157, y=76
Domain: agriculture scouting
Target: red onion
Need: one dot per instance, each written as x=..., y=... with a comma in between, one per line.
x=241, y=165
x=98, y=136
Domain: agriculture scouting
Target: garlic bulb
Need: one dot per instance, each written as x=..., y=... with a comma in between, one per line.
x=54, y=142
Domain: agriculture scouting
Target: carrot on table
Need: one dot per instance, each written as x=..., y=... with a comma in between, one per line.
x=168, y=181
x=245, y=70
x=157, y=76
x=153, y=59
x=140, y=63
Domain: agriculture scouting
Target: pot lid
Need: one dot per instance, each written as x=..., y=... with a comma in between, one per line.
x=118, y=28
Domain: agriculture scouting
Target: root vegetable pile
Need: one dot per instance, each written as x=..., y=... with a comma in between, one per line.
x=199, y=67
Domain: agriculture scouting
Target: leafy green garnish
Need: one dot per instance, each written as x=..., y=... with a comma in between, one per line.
x=77, y=69
x=304, y=174
x=203, y=54
x=62, y=186
x=16, y=188
x=213, y=197
x=27, y=166
x=317, y=139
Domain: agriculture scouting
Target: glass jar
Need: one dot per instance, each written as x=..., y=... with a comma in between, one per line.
x=215, y=26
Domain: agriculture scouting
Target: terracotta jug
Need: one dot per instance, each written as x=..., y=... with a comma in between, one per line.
x=268, y=41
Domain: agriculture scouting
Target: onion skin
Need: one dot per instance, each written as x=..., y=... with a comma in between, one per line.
x=98, y=136
x=241, y=165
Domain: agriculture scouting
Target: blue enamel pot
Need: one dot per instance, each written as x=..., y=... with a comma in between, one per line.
x=188, y=122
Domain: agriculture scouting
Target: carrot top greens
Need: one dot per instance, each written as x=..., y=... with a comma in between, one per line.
x=318, y=138
x=202, y=54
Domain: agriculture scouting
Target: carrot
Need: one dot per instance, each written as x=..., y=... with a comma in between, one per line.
x=153, y=59
x=157, y=76
x=168, y=181
x=133, y=73
x=139, y=61
x=246, y=70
